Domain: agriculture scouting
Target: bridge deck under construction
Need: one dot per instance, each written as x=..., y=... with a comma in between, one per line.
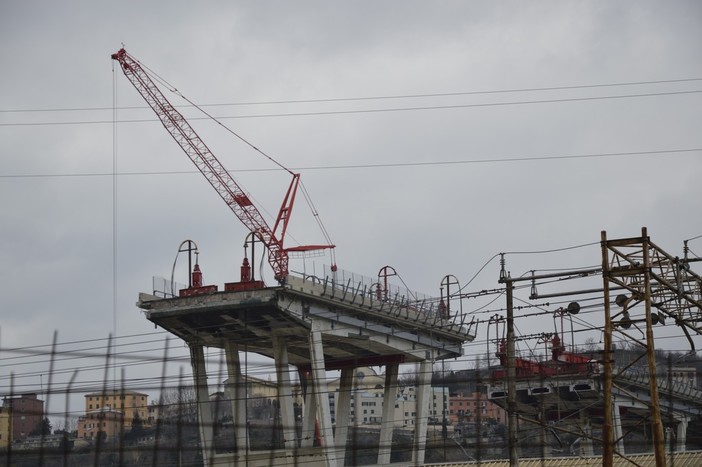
x=363, y=330
x=315, y=326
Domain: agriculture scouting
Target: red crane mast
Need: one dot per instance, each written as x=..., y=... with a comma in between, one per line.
x=215, y=173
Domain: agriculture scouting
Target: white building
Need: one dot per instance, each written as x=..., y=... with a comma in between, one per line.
x=367, y=400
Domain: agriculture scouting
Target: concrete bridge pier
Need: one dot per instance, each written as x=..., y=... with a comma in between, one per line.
x=386, y=428
x=617, y=428
x=586, y=447
x=320, y=396
x=681, y=432
x=236, y=388
x=204, y=405
x=422, y=421
x=284, y=389
x=343, y=410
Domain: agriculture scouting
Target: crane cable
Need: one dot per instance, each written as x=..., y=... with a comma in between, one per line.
x=306, y=195
x=175, y=91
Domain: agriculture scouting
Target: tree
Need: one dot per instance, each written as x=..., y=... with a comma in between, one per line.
x=178, y=403
x=42, y=429
x=69, y=425
x=591, y=345
x=407, y=379
x=136, y=432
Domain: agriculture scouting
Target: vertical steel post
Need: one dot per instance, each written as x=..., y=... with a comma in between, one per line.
x=607, y=435
x=656, y=424
x=512, y=439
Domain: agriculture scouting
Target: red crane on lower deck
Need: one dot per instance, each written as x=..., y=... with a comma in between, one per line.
x=215, y=173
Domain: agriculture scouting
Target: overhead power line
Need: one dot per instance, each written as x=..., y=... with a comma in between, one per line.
x=370, y=98
x=378, y=110
x=383, y=165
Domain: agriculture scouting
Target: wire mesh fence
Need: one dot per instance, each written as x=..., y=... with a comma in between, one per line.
x=130, y=400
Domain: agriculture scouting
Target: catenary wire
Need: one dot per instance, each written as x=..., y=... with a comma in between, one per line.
x=508, y=159
x=378, y=110
x=367, y=98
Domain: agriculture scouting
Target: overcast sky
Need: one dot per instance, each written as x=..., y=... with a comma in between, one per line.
x=447, y=132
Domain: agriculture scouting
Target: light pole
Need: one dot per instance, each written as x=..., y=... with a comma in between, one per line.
x=191, y=247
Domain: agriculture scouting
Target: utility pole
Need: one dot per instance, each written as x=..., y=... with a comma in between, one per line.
x=607, y=435
x=512, y=440
x=631, y=268
x=657, y=425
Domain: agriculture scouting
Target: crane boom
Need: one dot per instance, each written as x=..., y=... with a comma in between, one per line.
x=215, y=173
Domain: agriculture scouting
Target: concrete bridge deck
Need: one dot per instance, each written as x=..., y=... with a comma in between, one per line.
x=315, y=326
x=363, y=330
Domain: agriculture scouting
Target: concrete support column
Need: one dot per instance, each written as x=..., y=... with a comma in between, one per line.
x=236, y=387
x=204, y=409
x=357, y=412
x=586, y=447
x=309, y=415
x=617, y=428
x=321, y=395
x=388, y=422
x=422, y=414
x=285, y=398
x=343, y=410
x=681, y=433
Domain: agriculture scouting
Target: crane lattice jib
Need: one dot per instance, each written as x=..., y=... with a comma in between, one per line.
x=198, y=152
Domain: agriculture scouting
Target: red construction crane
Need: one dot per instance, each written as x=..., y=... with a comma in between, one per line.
x=215, y=173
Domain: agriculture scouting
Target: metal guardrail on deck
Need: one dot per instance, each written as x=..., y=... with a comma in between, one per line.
x=676, y=389
x=397, y=302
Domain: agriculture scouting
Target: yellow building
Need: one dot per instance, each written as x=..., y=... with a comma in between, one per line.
x=5, y=433
x=105, y=421
x=129, y=403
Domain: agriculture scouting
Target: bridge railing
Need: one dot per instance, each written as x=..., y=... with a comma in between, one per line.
x=392, y=299
x=676, y=388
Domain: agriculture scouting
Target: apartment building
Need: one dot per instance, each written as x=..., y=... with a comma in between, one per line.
x=106, y=423
x=469, y=408
x=24, y=414
x=130, y=403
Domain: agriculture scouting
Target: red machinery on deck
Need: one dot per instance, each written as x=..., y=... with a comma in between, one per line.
x=561, y=363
